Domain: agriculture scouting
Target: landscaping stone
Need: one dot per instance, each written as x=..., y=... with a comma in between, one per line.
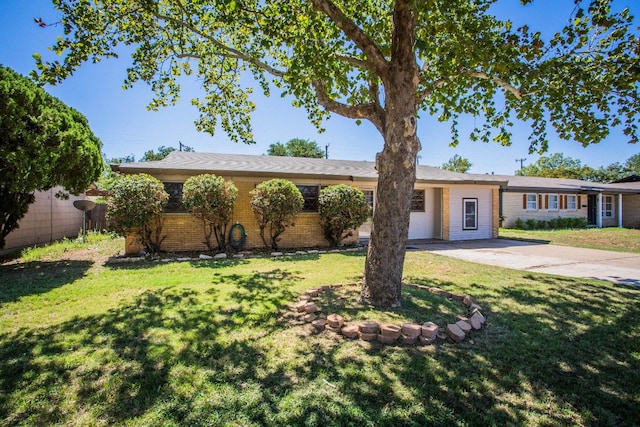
x=466, y=327
x=411, y=330
x=313, y=252
x=387, y=339
x=454, y=332
x=475, y=323
x=368, y=327
x=301, y=252
x=301, y=305
x=368, y=337
x=337, y=286
x=310, y=307
x=429, y=330
x=351, y=331
x=310, y=317
x=390, y=330
x=335, y=320
x=304, y=297
x=204, y=256
x=457, y=297
x=238, y=256
x=166, y=260
x=332, y=328
x=313, y=292
x=475, y=307
x=467, y=300
x=324, y=288
x=441, y=335
x=290, y=253
x=408, y=340
x=276, y=254
x=319, y=324
x=426, y=340
x=220, y=256
x=479, y=317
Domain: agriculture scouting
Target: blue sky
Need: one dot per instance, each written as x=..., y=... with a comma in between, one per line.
x=120, y=119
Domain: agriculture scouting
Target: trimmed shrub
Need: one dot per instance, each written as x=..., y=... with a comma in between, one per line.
x=211, y=199
x=519, y=224
x=541, y=224
x=342, y=209
x=531, y=224
x=136, y=204
x=275, y=203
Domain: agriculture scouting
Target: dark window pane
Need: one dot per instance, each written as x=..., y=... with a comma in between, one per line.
x=417, y=201
x=310, y=194
x=175, y=197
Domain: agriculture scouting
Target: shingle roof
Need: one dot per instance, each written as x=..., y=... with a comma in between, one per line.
x=524, y=183
x=275, y=166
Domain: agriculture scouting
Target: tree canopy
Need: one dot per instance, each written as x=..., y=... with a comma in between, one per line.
x=151, y=156
x=457, y=164
x=559, y=166
x=383, y=62
x=43, y=143
x=296, y=147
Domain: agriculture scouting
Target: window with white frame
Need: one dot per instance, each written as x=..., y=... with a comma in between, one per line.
x=607, y=207
x=572, y=202
x=470, y=214
x=553, y=202
x=532, y=202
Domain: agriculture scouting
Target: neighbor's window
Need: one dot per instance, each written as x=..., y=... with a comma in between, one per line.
x=310, y=194
x=553, y=202
x=470, y=214
x=532, y=202
x=572, y=202
x=369, y=195
x=175, y=197
x=417, y=201
x=607, y=207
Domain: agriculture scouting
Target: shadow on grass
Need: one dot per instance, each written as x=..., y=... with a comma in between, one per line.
x=37, y=277
x=555, y=353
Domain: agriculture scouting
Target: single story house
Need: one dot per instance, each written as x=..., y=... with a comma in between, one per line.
x=47, y=220
x=602, y=205
x=446, y=205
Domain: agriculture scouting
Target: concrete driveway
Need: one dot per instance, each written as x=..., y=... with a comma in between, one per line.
x=617, y=267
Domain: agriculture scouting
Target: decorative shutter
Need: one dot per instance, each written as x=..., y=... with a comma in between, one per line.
x=546, y=201
x=561, y=201
x=524, y=201
x=579, y=206
x=539, y=201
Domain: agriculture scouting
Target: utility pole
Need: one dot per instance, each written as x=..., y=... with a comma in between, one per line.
x=180, y=146
x=521, y=161
x=326, y=151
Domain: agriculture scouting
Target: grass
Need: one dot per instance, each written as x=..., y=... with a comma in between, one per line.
x=610, y=239
x=210, y=343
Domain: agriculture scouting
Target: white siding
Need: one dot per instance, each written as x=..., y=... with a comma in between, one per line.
x=485, y=218
x=512, y=209
x=422, y=224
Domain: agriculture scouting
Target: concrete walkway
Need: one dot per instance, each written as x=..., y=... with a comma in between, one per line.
x=617, y=267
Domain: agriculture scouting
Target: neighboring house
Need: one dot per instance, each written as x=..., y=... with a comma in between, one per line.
x=602, y=205
x=446, y=205
x=48, y=219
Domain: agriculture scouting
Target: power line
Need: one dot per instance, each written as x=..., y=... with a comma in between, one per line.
x=521, y=161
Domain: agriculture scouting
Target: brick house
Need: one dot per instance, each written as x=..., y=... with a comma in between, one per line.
x=602, y=205
x=446, y=205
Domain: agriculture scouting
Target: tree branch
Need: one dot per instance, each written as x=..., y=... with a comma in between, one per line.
x=229, y=51
x=375, y=59
x=503, y=84
x=372, y=111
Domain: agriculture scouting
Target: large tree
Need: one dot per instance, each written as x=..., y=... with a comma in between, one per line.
x=296, y=147
x=43, y=144
x=381, y=61
x=457, y=164
x=152, y=156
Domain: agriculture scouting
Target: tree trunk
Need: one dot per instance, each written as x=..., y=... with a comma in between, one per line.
x=396, y=166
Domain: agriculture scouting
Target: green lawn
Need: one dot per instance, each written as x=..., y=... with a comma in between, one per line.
x=210, y=343
x=610, y=239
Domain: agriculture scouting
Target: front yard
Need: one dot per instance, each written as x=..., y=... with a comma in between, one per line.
x=209, y=343
x=608, y=239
